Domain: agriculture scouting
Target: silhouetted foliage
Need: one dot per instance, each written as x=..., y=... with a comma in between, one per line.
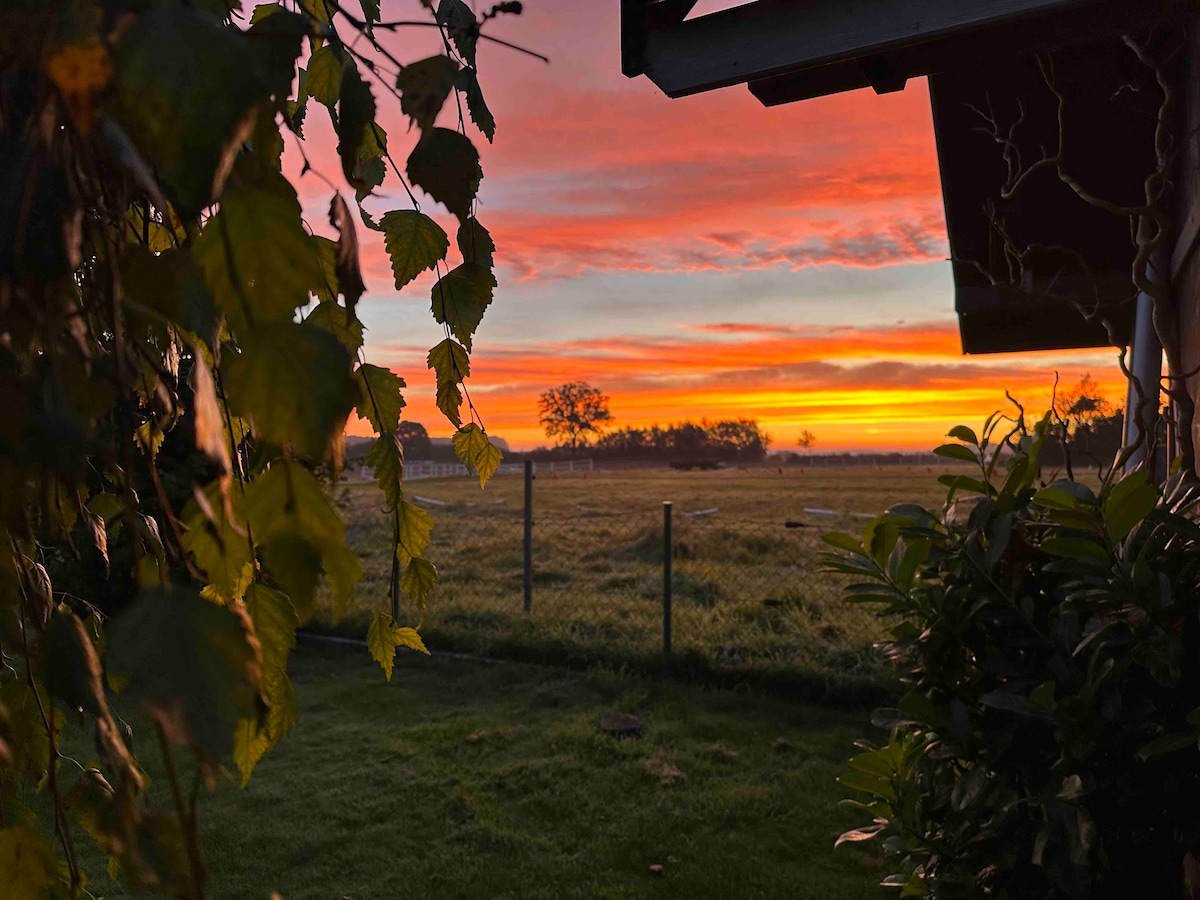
x=1049, y=642
x=727, y=439
x=573, y=412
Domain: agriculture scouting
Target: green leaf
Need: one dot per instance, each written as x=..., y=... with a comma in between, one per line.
x=846, y=542
x=287, y=498
x=452, y=365
x=472, y=446
x=1055, y=498
x=460, y=298
x=370, y=9
x=258, y=260
x=424, y=87
x=445, y=165
x=340, y=322
x=414, y=243
x=25, y=730
x=1076, y=548
x=277, y=41
x=250, y=744
x=410, y=638
x=963, y=483
x=414, y=527
x=380, y=644
x=289, y=513
x=383, y=637
x=868, y=784
x=1167, y=743
x=218, y=544
x=169, y=285
x=356, y=116
x=263, y=10
x=166, y=78
x=275, y=623
x=297, y=109
x=71, y=668
x=964, y=434
x=31, y=870
x=191, y=662
x=1128, y=503
x=459, y=21
x=956, y=451
x=477, y=108
x=386, y=459
x=418, y=580
x=325, y=288
x=292, y=383
x=475, y=244
x=324, y=81
x=379, y=399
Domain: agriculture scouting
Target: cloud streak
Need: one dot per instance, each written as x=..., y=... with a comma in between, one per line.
x=893, y=386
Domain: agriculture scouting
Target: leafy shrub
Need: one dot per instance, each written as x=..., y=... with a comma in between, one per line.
x=1046, y=745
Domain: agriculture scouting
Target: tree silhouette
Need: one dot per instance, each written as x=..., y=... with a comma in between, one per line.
x=572, y=412
x=807, y=440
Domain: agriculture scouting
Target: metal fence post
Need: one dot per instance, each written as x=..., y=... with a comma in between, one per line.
x=528, y=562
x=667, y=547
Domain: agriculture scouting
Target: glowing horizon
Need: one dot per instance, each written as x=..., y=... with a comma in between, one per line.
x=699, y=258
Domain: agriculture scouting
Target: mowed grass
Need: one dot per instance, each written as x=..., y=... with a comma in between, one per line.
x=475, y=780
x=749, y=597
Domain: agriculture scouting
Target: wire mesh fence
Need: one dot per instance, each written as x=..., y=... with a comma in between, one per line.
x=743, y=593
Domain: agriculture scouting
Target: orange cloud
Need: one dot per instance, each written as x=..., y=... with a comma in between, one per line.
x=901, y=386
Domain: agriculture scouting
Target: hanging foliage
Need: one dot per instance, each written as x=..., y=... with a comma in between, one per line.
x=179, y=355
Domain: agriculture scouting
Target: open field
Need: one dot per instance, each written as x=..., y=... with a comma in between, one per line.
x=750, y=493
x=749, y=597
x=466, y=780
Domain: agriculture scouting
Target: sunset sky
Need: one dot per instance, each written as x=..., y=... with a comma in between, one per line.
x=703, y=257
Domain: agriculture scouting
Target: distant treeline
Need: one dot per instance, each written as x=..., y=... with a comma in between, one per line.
x=727, y=440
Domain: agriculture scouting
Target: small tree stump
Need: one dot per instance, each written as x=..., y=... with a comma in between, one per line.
x=621, y=725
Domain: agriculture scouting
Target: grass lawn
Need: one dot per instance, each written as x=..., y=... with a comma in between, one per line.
x=749, y=594
x=478, y=780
